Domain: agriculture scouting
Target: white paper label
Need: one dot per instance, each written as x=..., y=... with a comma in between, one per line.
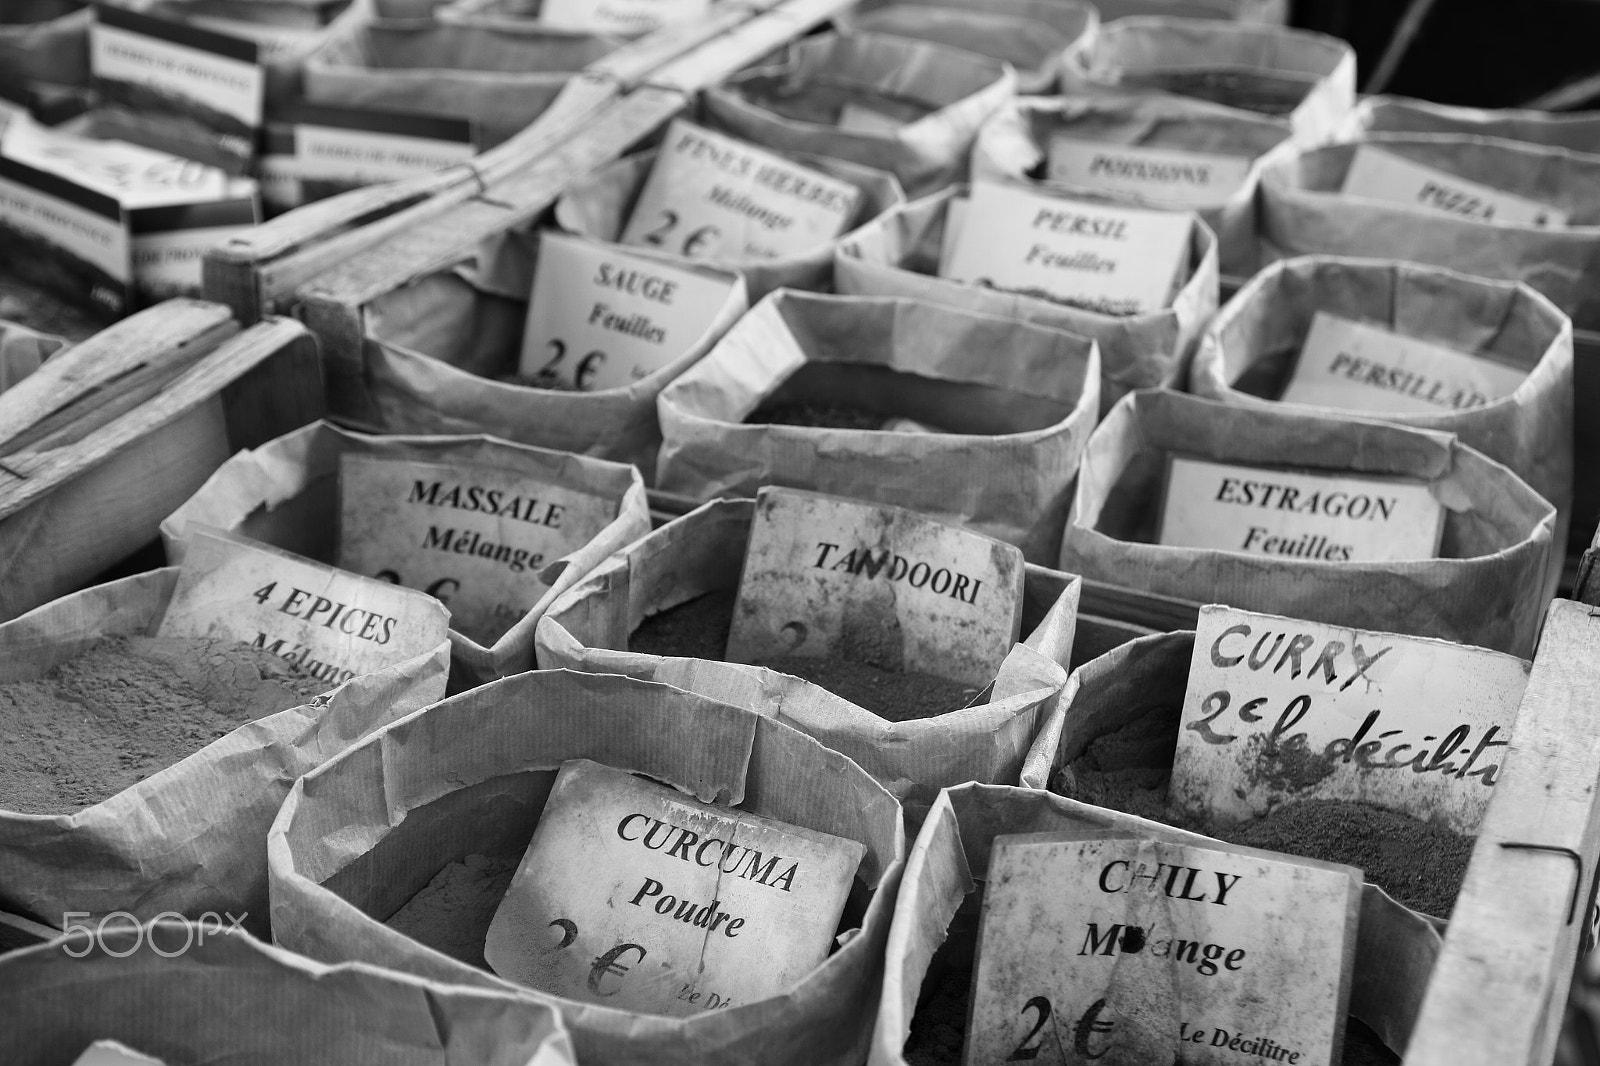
x=93, y=237
x=1116, y=260
x=620, y=16
x=137, y=177
x=333, y=625
x=858, y=118
x=111, y=1053
x=710, y=196
x=168, y=264
x=635, y=896
x=1163, y=175
x=1293, y=515
x=205, y=79
x=1279, y=709
x=1379, y=175
x=1360, y=367
x=474, y=537
x=1105, y=948
x=825, y=576
x=362, y=157
x=602, y=317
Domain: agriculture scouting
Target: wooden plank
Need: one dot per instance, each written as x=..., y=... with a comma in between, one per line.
x=19, y=932
x=1500, y=984
x=90, y=493
x=258, y=272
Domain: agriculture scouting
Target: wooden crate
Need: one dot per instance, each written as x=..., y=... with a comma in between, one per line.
x=1527, y=907
x=106, y=439
x=424, y=241
x=259, y=272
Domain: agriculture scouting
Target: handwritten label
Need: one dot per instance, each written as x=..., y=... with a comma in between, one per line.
x=1299, y=515
x=634, y=896
x=1279, y=709
x=111, y=1053
x=352, y=146
x=474, y=537
x=150, y=64
x=710, y=196
x=602, y=317
x=1166, y=175
x=1379, y=175
x=825, y=576
x=1116, y=260
x=1360, y=367
x=1103, y=947
x=332, y=624
x=620, y=16
x=75, y=240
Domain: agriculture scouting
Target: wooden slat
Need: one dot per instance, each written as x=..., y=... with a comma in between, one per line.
x=1500, y=984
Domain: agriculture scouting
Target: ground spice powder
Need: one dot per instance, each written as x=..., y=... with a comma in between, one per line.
x=127, y=708
x=819, y=415
x=452, y=912
x=1419, y=863
x=699, y=628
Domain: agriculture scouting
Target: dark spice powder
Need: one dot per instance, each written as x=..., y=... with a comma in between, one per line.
x=127, y=708
x=699, y=628
x=1421, y=864
x=829, y=415
x=452, y=913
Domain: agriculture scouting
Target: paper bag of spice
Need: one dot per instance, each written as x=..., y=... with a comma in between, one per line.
x=805, y=391
x=1260, y=343
x=1305, y=80
x=1156, y=151
x=452, y=795
x=908, y=107
x=898, y=255
x=1486, y=587
x=1578, y=131
x=501, y=78
x=1034, y=36
x=601, y=206
x=186, y=837
x=922, y=1015
x=173, y=991
x=288, y=493
x=441, y=354
x=660, y=610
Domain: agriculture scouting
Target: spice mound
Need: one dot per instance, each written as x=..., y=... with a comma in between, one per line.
x=127, y=708
x=699, y=628
x=1421, y=864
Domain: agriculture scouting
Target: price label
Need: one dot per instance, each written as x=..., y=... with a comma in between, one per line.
x=474, y=537
x=1105, y=947
x=710, y=196
x=634, y=896
x=1298, y=515
x=1378, y=175
x=1162, y=175
x=825, y=576
x=1119, y=261
x=602, y=317
x=332, y=624
x=1360, y=367
x=1281, y=709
